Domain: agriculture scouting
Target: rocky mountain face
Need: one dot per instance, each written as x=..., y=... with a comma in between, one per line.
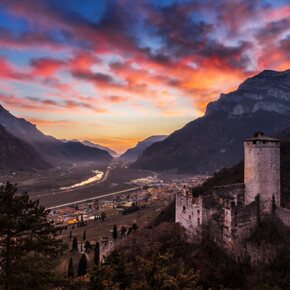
x=91, y=144
x=213, y=141
x=132, y=154
x=48, y=147
x=16, y=154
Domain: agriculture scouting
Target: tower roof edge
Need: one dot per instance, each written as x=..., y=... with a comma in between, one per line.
x=262, y=138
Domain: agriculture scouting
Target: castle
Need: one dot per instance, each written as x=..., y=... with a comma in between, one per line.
x=232, y=211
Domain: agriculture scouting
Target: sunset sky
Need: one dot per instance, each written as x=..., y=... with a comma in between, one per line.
x=117, y=71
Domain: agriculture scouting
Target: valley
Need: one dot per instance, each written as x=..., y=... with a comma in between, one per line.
x=53, y=187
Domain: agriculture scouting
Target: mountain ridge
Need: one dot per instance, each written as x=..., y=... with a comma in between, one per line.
x=51, y=149
x=91, y=144
x=132, y=153
x=18, y=155
x=213, y=141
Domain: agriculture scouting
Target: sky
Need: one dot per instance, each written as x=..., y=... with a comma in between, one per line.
x=115, y=72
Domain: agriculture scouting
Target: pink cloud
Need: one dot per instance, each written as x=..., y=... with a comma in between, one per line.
x=46, y=67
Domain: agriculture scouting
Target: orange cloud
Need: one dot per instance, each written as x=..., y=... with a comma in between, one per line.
x=65, y=123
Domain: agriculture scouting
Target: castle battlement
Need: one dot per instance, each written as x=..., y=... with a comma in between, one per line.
x=232, y=211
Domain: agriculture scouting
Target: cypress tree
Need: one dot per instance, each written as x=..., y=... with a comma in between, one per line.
x=115, y=233
x=82, y=268
x=88, y=246
x=82, y=221
x=97, y=254
x=75, y=244
x=70, y=272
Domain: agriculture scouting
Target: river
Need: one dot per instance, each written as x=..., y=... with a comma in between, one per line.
x=97, y=177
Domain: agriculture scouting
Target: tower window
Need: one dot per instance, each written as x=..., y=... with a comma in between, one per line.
x=184, y=210
x=190, y=217
x=198, y=221
x=198, y=212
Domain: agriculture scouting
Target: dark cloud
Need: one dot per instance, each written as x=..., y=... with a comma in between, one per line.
x=284, y=45
x=272, y=30
x=29, y=39
x=96, y=77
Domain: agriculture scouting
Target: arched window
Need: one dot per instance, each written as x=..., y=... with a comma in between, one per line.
x=184, y=209
x=198, y=212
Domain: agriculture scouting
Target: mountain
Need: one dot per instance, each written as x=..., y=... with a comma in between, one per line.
x=16, y=154
x=50, y=148
x=133, y=153
x=213, y=141
x=91, y=144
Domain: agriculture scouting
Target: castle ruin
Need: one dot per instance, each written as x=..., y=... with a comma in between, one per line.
x=233, y=211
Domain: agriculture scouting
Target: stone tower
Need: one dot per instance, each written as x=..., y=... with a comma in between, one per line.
x=262, y=171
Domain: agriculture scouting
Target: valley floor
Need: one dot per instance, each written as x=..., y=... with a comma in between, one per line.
x=45, y=185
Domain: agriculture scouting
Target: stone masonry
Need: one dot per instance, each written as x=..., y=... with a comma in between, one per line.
x=232, y=211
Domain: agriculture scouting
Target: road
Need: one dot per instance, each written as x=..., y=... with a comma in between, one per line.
x=93, y=198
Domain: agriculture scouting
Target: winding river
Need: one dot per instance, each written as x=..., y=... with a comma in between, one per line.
x=97, y=177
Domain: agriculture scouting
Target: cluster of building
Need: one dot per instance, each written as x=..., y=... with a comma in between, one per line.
x=151, y=190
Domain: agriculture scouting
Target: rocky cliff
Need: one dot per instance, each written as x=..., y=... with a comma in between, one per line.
x=213, y=141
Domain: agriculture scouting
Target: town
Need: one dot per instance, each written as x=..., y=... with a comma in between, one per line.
x=150, y=190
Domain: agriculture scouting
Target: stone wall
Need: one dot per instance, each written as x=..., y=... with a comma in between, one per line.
x=107, y=245
x=244, y=220
x=188, y=212
x=284, y=215
x=262, y=172
x=232, y=192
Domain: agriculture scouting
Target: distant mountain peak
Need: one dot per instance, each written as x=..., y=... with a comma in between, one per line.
x=91, y=144
x=133, y=153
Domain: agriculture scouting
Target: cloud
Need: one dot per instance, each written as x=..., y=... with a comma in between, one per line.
x=46, y=67
x=194, y=49
x=10, y=72
x=29, y=39
x=116, y=99
x=64, y=123
x=49, y=105
x=272, y=31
